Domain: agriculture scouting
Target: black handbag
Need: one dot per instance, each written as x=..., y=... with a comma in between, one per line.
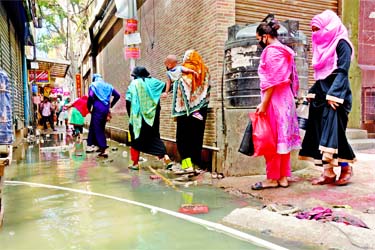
x=247, y=144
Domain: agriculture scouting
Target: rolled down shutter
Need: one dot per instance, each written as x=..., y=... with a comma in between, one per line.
x=11, y=63
x=252, y=11
x=16, y=60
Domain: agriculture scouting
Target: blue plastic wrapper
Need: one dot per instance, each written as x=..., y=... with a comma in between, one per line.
x=6, y=125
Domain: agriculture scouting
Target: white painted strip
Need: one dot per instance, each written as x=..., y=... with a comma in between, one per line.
x=210, y=225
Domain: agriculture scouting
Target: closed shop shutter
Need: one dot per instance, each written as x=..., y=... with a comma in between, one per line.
x=11, y=63
x=5, y=51
x=252, y=11
x=16, y=61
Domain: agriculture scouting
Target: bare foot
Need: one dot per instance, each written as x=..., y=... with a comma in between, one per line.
x=283, y=182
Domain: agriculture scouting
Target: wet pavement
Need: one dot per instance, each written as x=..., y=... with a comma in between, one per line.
x=91, y=203
x=359, y=194
x=356, y=199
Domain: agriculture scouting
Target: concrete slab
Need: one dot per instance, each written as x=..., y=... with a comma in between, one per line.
x=353, y=133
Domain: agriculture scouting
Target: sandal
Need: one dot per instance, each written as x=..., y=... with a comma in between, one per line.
x=103, y=154
x=184, y=171
x=345, y=176
x=134, y=167
x=284, y=184
x=169, y=165
x=259, y=186
x=323, y=180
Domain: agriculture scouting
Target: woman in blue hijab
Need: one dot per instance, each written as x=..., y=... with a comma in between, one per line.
x=99, y=104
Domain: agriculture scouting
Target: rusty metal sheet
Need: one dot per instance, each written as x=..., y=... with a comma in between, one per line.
x=366, y=46
x=252, y=11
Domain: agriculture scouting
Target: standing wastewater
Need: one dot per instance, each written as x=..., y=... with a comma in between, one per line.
x=60, y=217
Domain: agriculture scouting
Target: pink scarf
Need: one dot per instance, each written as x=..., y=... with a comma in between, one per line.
x=277, y=66
x=324, y=43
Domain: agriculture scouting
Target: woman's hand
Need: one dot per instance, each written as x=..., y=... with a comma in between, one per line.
x=261, y=109
x=333, y=104
x=164, y=95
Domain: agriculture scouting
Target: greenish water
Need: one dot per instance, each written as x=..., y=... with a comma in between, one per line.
x=41, y=218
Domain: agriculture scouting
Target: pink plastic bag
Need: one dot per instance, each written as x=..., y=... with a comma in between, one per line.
x=263, y=137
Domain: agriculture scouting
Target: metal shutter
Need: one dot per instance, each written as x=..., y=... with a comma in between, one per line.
x=11, y=63
x=252, y=11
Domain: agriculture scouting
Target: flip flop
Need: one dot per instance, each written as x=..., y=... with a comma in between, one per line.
x=283, y=186
x=184, y=171
x=136, y=167
x=104, y=155
x=259, y=186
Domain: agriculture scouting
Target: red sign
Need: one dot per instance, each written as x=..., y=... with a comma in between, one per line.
x=132, y=53
x=79, y=85
x=131, y=25
x=42, y=76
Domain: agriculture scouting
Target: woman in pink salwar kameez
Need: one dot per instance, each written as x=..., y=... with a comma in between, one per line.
x=279, y=86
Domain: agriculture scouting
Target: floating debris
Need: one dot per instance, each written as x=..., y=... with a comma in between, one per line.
x=155, y=177
x=193, y=209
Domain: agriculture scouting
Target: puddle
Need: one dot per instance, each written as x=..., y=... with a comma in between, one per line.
x=63, y=219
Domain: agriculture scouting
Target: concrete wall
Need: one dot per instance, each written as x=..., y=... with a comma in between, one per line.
x=234, y=163
x=350, y=17
x=172, y=27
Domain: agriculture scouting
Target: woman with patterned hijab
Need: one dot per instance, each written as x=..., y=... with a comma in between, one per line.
x=191, y=95
x=143, y=107
x=330, y=98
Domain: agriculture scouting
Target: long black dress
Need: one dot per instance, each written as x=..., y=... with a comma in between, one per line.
x=325, y=138
x=149, y=140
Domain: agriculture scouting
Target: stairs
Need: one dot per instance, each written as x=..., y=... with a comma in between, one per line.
x=359, y=139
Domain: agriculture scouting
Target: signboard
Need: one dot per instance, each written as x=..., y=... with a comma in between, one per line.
x=131, y=26
x=47, y=91
x=79, y=85
x=132, y=39
x=57, y=91
x=132, y=53
x=34, y=65
x=42, y=76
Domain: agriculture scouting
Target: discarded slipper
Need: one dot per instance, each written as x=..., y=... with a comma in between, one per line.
x=259, y=186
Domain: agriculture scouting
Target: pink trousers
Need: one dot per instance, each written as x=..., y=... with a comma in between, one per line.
x=277, y=166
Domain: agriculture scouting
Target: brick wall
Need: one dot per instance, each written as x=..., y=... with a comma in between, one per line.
x=172, y=27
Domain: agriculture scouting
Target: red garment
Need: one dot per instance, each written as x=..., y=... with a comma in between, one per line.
x=134, y=154
x=81, y=105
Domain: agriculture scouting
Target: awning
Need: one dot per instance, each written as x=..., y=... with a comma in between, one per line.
x=57, y=67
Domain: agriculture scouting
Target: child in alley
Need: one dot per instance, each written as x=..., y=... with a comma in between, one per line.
x=174, y=73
